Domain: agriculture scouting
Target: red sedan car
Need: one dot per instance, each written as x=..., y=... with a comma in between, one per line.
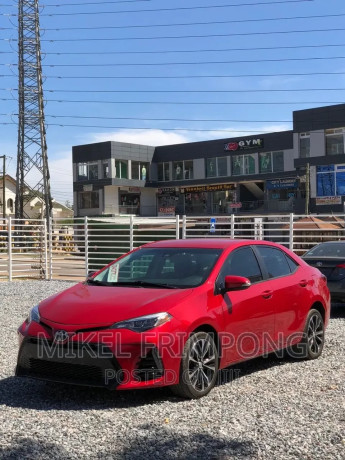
x=174, y=313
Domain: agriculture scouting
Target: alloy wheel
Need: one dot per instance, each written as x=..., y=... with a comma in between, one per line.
x=202, y=364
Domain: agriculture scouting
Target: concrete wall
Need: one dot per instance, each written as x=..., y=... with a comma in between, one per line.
x=111, y=199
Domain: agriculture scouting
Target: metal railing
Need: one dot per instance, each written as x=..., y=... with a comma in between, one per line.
x=73, y=247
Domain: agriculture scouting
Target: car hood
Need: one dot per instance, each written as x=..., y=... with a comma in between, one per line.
x=104, y=305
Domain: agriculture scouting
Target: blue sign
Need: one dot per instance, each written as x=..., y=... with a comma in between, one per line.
x=212, y=225
x=290, y=182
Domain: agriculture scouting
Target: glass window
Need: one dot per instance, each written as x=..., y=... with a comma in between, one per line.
x=178, y=267
x=326, y=184
x=135, y=170
x=89, y=200
x=334, y=144
x=160, y=168
x=275, y=261
x=241, y=262
x=87, y=171
x=211, y=167
x=121, y=169
x=304, y=146
x=166, y=171
x=222, y=166
x=292, y=264
x=249, y=164
x=278, y=161
x=177, y=170
x=237, y=165
x=105, y=167
x=265, y=162
x=188, y=169
x=82, y=171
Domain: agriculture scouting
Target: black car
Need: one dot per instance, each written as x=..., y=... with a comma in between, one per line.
x=329, y=258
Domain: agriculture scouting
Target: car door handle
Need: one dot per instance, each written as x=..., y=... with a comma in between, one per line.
x=267, y=294
x=303, y=283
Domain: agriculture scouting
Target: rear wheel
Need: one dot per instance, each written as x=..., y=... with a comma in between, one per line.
x=313, y=339
x=199, y=367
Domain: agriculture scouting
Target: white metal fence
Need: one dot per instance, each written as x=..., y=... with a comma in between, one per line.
x=68, y=249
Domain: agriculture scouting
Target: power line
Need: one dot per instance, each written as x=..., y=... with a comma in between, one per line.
x=184, y=102
x=245, y=34
x=237, y=61
x=200, y=23
x=182, y=8
x=126, y=77
x=164, y=91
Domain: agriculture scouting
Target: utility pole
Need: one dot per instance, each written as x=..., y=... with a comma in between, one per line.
x=307, y=188
x=3, y=185
x=33, y=179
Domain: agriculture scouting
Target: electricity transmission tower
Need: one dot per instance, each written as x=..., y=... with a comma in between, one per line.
x=33, y=179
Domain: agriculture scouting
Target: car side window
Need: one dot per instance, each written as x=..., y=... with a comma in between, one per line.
x=292, y=264
x=242, y=262
x=275, y=261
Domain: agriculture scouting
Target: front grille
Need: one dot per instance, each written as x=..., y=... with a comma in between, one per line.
x=149, y=367
x=66, y=371
x=78, y=363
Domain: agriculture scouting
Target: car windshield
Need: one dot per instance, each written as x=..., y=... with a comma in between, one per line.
x=327, y=250
x=160, y=267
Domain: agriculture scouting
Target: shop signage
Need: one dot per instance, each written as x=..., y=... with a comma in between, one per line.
x=168, y=211
x=328, y=200
x=244, y=144
x=166, y=190
x=208, y=188
x=88, y=187
x=235, y=205
x=289, y=182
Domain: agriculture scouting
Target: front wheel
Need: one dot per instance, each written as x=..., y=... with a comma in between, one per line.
x=199, y=367
x=312, y=343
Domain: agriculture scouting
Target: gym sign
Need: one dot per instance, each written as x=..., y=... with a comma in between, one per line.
x=244, y=144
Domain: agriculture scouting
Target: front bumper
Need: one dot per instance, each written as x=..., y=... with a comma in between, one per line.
x=114, y=360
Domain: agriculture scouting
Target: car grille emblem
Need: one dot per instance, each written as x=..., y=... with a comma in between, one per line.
x=319, y=264
x=61, y=337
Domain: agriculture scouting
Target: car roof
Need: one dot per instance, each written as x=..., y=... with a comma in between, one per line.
x=216, y=243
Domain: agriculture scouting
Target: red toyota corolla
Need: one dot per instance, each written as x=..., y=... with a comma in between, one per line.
x=174, y=313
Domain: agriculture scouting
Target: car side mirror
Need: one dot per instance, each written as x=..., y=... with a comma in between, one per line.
x=236, y=283
x=90, y=274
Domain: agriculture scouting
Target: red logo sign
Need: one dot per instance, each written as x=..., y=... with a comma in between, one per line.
x=232, y=146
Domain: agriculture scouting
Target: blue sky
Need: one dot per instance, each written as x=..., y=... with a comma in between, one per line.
x=181, y=71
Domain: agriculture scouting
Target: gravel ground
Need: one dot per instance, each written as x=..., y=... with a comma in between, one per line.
x=267, y=409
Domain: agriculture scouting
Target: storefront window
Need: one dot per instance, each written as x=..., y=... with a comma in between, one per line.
x=188, y=169
x=265, y=162
x=304, y=145
x=139, y=170
x=87, y=171
x=88, y=200
x=196, y=203
x=121, y=169
x=182, y=170
x=129, y=203
x=177, y=170
x=335, y=141
x=105, y=167
x=271, y=162
x=278, y=161
x=216, y=167
x=326, y=180
x=243, y=164
x=163, y=171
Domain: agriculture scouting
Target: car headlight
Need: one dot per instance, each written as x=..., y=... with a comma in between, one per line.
x=143, y=323
x=34, y=315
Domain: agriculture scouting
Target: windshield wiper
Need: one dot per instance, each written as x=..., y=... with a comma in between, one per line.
x=141, y=283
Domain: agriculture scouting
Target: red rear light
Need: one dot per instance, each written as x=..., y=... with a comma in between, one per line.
x=341, y=265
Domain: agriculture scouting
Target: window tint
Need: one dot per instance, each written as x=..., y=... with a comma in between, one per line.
x=327, y=250
x=275, y=261
x=242, y=262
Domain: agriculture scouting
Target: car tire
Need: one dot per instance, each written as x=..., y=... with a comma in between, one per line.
x=199, y=366
x=311, y=345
